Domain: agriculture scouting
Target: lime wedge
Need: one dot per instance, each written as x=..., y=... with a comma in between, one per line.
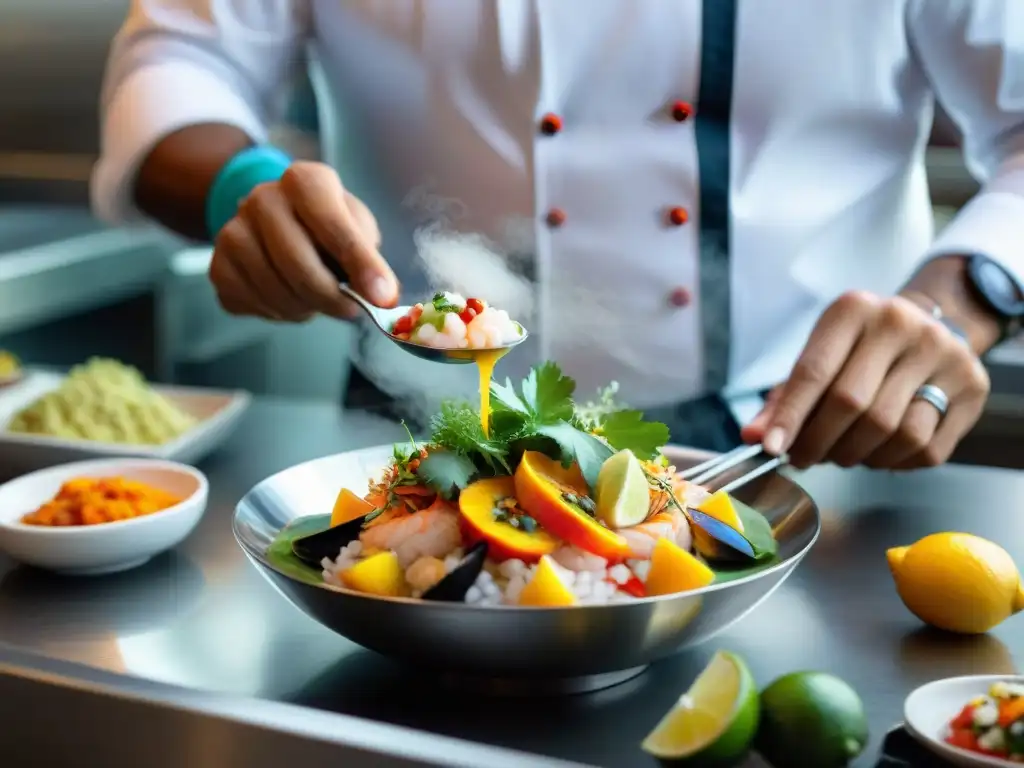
x=715, y=721
x=623, y=495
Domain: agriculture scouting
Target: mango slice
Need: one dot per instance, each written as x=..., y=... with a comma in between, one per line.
x=347, y=507
x=478, y=502
x=546, y=587
x=673, y=570
x=547, y=491
x=719, y=506
x=378, y=574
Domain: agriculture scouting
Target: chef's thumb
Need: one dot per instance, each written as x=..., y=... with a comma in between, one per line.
x=378, y=284
x=754, y=431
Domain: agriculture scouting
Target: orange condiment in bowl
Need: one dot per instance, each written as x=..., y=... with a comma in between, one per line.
x=96, y=500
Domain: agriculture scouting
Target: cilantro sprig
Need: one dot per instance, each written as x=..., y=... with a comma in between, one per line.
x=540, y=415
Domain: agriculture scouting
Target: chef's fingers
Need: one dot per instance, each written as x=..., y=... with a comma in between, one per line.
x=753, y=432
x=286, y=250
x=964, y=412
x=235, y=292
x=916, y=430
x=884, y=416
x=318, y=199
x=831, y=341
x=850, y=395
x=365, y=220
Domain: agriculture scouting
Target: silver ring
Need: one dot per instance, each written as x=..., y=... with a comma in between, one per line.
x=934, y=396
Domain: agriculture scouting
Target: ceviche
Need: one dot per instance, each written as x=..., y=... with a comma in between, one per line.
x=993, y=724
x=557, y=503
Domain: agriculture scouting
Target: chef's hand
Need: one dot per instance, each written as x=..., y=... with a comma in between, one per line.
x=851, y=396
x=265, y=260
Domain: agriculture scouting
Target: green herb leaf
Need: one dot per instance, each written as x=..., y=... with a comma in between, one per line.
x=456, y=428
x=280, y=554
x=441, y=304
x=588, y=451
x=546, y=395
x=627, y=429
x=446, y=472
x=757, y=530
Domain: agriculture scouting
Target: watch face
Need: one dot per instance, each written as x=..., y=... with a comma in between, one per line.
x=997, y=287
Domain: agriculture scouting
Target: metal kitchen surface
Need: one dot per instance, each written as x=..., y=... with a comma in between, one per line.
x=203, y=619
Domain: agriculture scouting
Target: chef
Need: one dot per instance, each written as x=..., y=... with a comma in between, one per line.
x=707, y=200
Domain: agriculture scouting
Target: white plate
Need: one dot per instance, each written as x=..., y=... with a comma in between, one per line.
x=107, y=547
x=929, y=709
x=218, y=411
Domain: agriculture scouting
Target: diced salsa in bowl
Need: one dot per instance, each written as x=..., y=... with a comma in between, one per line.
x=449, y=321
x=992, y=724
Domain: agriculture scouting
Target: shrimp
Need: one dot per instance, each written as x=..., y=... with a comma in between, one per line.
x=669, y=524
x=576, y=559
x=433, y=532
x=425, y=573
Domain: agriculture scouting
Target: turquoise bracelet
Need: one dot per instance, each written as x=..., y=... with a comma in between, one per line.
x=239, y=176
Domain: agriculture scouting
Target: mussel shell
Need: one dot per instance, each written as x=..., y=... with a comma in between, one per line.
x=716, y=540
x=454, y=586
x=328, y=543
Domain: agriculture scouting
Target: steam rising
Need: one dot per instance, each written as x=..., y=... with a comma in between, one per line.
x=465, y=263
x=474, y=265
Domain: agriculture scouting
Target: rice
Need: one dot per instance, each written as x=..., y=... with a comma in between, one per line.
x=500, y=584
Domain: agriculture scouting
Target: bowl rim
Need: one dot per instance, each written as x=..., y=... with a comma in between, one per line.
x=260, y=557
x=77, y=468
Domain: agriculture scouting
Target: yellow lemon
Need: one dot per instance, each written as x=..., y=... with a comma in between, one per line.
x=957, y=582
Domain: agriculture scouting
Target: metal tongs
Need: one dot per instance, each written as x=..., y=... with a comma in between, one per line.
x=720, y=465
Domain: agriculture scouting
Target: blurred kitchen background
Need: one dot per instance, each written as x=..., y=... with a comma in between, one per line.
x=70, y=288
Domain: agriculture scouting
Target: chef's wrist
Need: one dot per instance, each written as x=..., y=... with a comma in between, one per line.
x=943, y=282
x=242, y=173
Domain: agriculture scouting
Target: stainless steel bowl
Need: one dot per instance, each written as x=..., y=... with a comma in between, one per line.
x=513, y=649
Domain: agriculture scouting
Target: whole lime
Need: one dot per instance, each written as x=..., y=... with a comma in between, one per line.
x=811, y=718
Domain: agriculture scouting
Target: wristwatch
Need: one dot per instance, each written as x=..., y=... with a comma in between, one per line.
x=999, y=290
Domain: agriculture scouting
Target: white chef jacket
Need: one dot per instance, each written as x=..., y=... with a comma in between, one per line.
x=832, y=103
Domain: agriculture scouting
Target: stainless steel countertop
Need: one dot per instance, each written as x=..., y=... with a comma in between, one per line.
x=203, y=618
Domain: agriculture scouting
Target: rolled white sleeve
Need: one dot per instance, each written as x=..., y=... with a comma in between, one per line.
x=176, y=64
x=973, y=54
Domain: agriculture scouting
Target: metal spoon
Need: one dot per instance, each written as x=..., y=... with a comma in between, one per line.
x=385, y=319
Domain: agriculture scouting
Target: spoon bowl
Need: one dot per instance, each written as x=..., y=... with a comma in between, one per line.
x=385, y=319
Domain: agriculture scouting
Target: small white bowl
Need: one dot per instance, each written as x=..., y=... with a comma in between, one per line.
x=106, y=547
x=928, y=710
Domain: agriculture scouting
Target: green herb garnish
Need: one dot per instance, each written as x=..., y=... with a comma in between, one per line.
x=446, y=472
x=540, y=415
x=457, y=429
x=442, y=304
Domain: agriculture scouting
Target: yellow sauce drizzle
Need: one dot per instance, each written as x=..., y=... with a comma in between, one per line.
x=485, y=362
